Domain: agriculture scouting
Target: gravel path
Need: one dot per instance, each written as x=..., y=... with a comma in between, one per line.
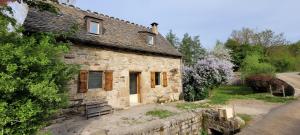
x=293, y=79
x=284, y=120
x=253, y=107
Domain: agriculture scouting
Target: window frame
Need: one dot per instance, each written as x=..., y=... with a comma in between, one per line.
x=101, y=81
x=91, y=29
x=90, y=20
x=150, y=42
x=157, y=78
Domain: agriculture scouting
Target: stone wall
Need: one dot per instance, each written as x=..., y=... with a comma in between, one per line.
x=189, y=123
x=121, y=63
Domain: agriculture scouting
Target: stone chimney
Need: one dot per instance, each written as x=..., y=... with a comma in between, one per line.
x=154, y=28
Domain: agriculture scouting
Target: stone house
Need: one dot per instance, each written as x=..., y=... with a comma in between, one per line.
x=124, y=63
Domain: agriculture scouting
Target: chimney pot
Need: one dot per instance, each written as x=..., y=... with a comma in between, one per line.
x=154, y=28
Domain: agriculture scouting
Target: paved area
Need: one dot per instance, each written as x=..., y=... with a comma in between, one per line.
x=284, y=120
x=122, y=119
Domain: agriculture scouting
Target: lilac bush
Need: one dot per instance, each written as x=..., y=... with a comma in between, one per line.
x=220, y=51
x=206, y=74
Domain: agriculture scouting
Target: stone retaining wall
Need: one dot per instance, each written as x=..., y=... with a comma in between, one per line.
x=189, y=123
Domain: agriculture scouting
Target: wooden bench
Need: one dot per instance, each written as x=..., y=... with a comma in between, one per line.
x=95, y=109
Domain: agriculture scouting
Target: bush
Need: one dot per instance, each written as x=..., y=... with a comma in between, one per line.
x=33, y=79
x=287, y=60
x=204, y=76
x=277, y=85
x=259, y=83
x=262, y=83
x=252, y=65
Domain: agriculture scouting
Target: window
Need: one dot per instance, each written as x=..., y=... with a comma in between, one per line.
x=94, y=27
x=95, y=80
x=157, y=78
x=150, y=40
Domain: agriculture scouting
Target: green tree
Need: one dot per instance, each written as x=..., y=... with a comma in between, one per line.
x=191, y=49
x=33, y=79
x=253, y=65
x=173, y=39
x=220, y=51
x=240, y=51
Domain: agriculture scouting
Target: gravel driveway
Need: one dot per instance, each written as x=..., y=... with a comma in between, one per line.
x=284, y=120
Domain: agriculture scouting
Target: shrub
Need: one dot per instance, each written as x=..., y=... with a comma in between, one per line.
x=33, y=79
x=252, y=65
x=262, y=83
x=204, y=76
x=277, y=85
x=259, y=83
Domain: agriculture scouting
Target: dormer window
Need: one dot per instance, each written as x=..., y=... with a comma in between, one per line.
x=94, y=25
x=150, y=40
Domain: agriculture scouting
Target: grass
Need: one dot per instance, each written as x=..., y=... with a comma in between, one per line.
x=247, y=118
x=191, y=106
x=223, y=94
x=160, y=113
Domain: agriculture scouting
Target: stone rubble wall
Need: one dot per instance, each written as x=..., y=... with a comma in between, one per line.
x=189, y=123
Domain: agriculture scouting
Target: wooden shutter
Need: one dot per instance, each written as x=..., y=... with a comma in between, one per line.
x=152, y=79
x=83, y=77
x=108, y=81
x=165, y=79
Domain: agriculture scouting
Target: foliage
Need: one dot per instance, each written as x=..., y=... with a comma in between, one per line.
x=173, y=39
x=265, y=38
x=43, y=6
x=247, y=118
x=221, y=52
x=203, y=132
x=253, y=65
x=208, y=73
x=160, y=113
x=191, y=106
x=265, y=83
x=266, y=43
x=33, y=79
x=240, y=51
x=191, y=49
x=259, y=83
x=224, y=94
x=288, y=60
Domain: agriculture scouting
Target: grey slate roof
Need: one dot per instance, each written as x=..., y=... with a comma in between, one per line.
x=117, y=33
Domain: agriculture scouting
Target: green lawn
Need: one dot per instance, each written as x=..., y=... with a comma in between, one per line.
x=223, y=94
x=160, y=113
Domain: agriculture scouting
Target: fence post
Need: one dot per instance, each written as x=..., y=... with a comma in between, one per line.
x=271, y=90
x=283, y=91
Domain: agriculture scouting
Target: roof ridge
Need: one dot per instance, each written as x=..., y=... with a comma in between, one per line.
x=104, y=15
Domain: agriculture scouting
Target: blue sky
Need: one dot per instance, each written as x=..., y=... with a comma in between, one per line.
x=210, y=19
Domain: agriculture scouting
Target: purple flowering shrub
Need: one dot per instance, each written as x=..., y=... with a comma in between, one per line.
x=206, y=74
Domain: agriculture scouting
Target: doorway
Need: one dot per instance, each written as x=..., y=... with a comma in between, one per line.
x=134, y=88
